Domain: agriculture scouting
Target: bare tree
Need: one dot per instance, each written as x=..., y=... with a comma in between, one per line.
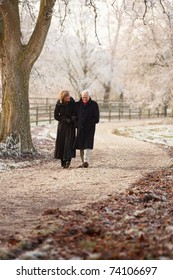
x=148, y=52
x=79, y=59
x=17, y=62
x=89, y=60
x=115, y=14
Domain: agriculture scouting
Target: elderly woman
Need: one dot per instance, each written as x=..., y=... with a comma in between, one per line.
x=65, y=114
x=87, y=112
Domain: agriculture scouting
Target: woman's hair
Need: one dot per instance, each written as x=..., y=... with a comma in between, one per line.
x=62, y=95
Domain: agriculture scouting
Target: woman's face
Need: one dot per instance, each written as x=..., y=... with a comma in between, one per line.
x=66, y=98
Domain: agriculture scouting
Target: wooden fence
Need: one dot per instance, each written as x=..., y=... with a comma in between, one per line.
x=108, y=111
x=42, y=101
x=42, y=113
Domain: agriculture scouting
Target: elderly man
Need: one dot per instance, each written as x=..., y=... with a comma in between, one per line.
x=87, y=112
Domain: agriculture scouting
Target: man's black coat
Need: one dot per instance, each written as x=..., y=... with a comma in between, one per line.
x=87, y=117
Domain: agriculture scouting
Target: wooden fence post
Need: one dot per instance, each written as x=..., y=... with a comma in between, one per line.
x=129, y=113
x=122, y=110
x=36, y=115
x=165, y=110
x=119, y=112
x=110, y=109
x=149, y=113
x=47, y=101
x=50, y=116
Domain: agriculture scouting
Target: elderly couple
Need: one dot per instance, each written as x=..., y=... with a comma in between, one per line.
x=84, y=115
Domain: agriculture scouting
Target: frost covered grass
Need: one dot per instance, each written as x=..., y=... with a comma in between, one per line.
x=43, y=137
x=158, y=134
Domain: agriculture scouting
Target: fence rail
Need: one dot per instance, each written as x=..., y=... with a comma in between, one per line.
x=108, y=111
x=41, y=113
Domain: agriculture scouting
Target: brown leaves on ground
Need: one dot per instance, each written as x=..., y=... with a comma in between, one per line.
x=55, y=211
x=137, y=224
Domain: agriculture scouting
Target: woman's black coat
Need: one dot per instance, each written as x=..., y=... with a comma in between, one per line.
x=65, y=115
x=87, y=117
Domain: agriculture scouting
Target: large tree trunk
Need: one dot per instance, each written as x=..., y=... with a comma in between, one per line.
x=15, y=119
x=17, y=62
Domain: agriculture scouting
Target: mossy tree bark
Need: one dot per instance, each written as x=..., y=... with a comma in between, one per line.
x=17, y=62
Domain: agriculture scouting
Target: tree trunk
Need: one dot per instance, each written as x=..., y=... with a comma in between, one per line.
x=107, y=87
x=172, y=103
x=15, y=119
x=17, y=62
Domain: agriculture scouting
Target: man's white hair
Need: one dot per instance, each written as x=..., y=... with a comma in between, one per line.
x=86, y=91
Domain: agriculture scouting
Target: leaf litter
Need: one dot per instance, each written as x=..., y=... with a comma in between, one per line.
x=135, y=224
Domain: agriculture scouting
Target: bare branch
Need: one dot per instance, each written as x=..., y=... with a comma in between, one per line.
x=91, y=4
x=10, y=12
x=33, y=17
x=113, y=3
x=63, y=15
x=160, y=1
x=38, y=37
x=145, y=11
x=166, y=13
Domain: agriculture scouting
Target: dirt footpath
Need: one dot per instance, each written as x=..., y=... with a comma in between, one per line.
x=116, y=163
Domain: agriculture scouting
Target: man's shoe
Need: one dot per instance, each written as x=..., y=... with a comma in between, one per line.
x=85, y=164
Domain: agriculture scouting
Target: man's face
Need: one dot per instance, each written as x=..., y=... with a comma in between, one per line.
x=85, y=97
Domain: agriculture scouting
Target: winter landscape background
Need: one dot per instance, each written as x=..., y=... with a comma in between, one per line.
x=121, y=206
x=117, y=51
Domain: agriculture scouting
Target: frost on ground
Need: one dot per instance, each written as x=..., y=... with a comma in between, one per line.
x=43, y=141
x=153, y=133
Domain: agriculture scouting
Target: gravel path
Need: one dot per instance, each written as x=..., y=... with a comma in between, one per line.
x=116, y=163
